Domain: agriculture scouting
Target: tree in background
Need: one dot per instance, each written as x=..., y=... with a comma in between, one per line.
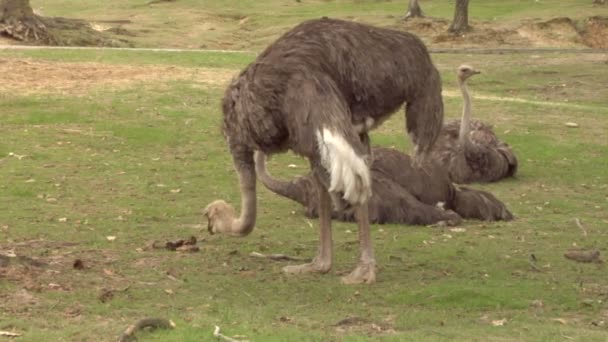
x=414, y=10
x=461, y=17
x=18, y=21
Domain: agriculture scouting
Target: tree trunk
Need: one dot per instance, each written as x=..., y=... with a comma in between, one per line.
x=18, y=21
x=461, y=17
x=414, y=10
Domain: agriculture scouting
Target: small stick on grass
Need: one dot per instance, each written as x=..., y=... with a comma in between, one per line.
x=277, y=257
x=9, y=334
x=580, y=225
x=534, y=267
x=223, y=337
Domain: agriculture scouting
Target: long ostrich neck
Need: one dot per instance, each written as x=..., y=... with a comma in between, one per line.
x=465, y=126
x=291, y=190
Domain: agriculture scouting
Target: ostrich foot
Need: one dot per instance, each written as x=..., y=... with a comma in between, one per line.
x=316, y=266
x=365, y=272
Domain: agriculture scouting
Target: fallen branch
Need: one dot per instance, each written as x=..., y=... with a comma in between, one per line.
x=580, y=225
x=9, y=334
x=223, y=337
x=584, y=256
x=152, y=323
x=534, y=267
x=277, y=257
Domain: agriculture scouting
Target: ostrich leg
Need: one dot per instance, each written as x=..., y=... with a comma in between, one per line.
x=365, y=272
x=322, y=262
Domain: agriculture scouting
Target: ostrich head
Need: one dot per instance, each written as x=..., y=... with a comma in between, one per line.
x=221, y=218
x=466, y=71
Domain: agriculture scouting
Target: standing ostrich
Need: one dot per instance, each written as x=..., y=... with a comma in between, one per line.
x=468, y=148
x=404, y=193
x=318, y=90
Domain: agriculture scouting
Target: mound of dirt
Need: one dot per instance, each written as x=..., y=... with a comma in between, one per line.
x=560, y=32
x=427, y=25
x=595, y=32
x=479, y=36
x=557, y=32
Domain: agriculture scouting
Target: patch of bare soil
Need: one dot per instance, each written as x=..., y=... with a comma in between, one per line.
x=26, y=76
x=481, y=35
x=6, y=41
x=39, y=266
x=556, y=33
x=361, y=325
x=427, y=25
x=595, y=33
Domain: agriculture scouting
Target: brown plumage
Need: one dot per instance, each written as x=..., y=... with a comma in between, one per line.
x=469, y=149
x=403, y=192
x=317, y=91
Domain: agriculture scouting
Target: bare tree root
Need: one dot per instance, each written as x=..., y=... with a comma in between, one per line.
x=35, y=29
x=67, y=31
x=152, y=323
x=31, y=29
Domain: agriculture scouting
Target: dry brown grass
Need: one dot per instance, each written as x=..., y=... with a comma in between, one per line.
x=28, y=76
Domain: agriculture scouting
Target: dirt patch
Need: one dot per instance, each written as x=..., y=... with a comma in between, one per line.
x=365, y=326
x=38, y=266
x=595, y=33
x=480, y=36
x=427, y=26
x=27, y=76
x=7, y=41
x=557, y=33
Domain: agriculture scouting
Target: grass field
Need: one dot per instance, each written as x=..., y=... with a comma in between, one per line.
x=105, y=151
x=139, y=160
x=251, y=25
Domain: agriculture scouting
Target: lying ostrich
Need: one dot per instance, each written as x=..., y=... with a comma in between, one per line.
x=469, y=149
x=318, y=90
x=403, y=192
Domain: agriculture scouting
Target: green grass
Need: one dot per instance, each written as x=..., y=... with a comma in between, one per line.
x=140, y=163
x=186, y=58
x=251, y=25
